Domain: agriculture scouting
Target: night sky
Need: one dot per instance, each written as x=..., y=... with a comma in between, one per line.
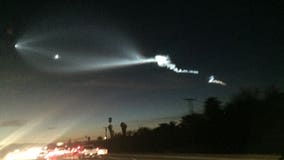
x=241, y=43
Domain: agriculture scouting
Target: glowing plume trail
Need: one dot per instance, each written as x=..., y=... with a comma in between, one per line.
x=72, y=63
x=165, y=61
x=213, y=80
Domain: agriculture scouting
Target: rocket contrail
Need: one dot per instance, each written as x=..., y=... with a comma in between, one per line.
x=213, y=80
x=165, y=61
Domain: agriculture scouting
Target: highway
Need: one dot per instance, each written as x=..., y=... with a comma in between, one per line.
x=180, y=157
x=113, y=156
x=190, y=157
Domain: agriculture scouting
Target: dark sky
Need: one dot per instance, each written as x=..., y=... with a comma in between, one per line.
x=239, y=42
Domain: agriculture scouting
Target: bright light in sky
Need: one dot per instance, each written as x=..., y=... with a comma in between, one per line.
x=56, y=56
x=107, y=51
x=81, y=63
x=16, y=46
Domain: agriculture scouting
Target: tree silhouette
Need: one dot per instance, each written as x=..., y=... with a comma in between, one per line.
x=100, y=138
x=123, y=128
x=213, y=108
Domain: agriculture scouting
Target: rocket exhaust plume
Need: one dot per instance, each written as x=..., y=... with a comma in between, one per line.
x=213, y=80
x=165, y=61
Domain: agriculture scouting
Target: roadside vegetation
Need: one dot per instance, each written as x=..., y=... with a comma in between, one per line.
x=252, y=121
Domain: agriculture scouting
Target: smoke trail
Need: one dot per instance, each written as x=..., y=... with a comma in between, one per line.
x=213, y=80
x=165, y=61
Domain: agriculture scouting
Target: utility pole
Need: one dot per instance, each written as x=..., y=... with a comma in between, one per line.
x=190, y=104
x=105, y=137
x=111, y=132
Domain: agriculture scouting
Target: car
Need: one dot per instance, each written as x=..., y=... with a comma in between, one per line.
x=102, y=152
x=89, y=152
x=92, y=152
x=42, y=155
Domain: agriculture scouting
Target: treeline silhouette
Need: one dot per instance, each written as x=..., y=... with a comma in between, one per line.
x=251, y=122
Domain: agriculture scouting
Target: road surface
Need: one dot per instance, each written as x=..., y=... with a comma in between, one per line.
x=113, y=156
x=190, y=157
x=181, y=157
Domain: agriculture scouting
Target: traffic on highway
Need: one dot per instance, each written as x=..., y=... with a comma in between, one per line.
x=60, y=152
